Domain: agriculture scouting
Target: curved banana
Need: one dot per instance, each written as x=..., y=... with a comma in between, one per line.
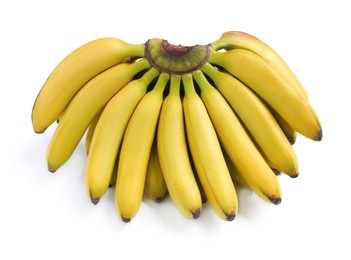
x=210, y=197
x=238, y=145
x=199, y=185
x=288, y=131
x=241, y=40
x=256, y=117
x=234, y=173
x=85, y=105
x=207, y=154
x=114, y=174
x=135, y=151
x=173, y=154
x=109, y=133
x=263, y=79
x=73, y=72
x=155, y=185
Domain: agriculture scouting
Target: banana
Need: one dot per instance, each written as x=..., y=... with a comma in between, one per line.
x=135, y=151
x=114, y=173
x=263, y=79
x=210, y=197
x=256, y=117
x=238, y=145
x=241, y=40
x=82, y=109
x=288, y=131
x=207, y=154
x=173, y=154
x=73, y=72
x=155, y=185
x=109, y=133
x=90, y=132
x=234, y=173
x=201, y=189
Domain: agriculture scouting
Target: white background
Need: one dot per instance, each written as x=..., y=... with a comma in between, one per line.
x=49, y=216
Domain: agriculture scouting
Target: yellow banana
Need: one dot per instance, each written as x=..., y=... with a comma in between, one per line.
x=135, y=151
x=241, y=40
x=256, y=117
x=173, y=154
x=234, y=173
x=263, y=79
x=109, y=133
x=210, y=197
x=288, y=131
x=90, y=132
x=199, y=185
x=207, y=154
x=155, y=185
x=238, y=145
x=73, y=72
x=114, y=172
x=82, y=109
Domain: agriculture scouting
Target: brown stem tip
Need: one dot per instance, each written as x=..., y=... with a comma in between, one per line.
x=94, y=200
x=51, y=169
x=157, y=200
x=319, y=137
x=196, y=214
x=230, y=217
x=274, y=200
x=294, y=175
x=126, y=220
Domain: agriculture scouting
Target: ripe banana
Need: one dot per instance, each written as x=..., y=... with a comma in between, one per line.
x=289, y=132
x=234, y=173
x=85, y=105
x=199, y=185
x=262, y=78
x=155, y=185
x=173, y=154
x=135, y=151
x=88, y=139
x=241, y=40
x=109, y=132
x=73, y=72
x=207, y=154
x=256, y=117
x=238, y=145
x=90, y=132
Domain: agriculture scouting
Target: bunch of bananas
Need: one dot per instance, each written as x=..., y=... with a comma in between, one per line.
x=189, y=121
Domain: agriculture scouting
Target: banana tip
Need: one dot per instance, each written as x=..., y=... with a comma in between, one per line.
x=39, y=131
x=275, y=200
x=231, y=216
x=52, y=169
x=320, y=136
x=157, y=200
x=292, y=141
x=94, y=200
x=203, y=200
x=126, y=220
x=295, y=175
x=196, y=214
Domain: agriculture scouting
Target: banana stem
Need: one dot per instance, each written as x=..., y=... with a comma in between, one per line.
x=188, y=83
x=175, y=85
